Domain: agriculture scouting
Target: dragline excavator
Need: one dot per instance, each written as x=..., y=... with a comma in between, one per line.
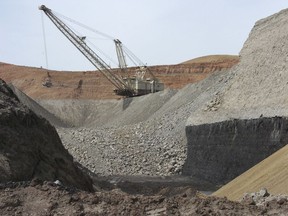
x=125, y=85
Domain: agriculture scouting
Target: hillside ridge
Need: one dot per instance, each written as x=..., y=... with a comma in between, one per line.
x=93, y=85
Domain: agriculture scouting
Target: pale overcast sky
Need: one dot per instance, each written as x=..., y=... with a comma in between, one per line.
x=157, y=31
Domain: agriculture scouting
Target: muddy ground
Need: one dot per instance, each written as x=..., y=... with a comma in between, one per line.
x=47, y=198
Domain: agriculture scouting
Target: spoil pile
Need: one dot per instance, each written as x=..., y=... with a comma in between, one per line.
x=31, y=148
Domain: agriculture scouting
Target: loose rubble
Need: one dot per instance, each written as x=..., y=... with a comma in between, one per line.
x=156, y=146
x=262, y=198
x=133, y=150
x=47, y=198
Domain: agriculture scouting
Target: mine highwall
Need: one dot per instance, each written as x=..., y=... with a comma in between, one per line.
x=221, y=151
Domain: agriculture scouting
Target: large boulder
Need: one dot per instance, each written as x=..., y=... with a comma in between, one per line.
x=31, y=148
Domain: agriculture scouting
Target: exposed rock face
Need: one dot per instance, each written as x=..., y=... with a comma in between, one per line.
x=220, y=151
x=31, y=148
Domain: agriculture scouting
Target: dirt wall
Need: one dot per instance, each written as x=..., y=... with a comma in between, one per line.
x=221, y=151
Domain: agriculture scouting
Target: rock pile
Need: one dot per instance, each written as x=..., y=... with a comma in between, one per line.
x=131, y=152
x=263, y=198
x=154, y=146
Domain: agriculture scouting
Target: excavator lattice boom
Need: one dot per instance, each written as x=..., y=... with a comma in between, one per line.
x=127, y=86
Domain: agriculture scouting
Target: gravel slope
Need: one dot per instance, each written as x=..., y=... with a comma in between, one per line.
x=259, y=82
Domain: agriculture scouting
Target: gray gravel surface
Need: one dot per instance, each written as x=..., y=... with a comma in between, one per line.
x=153, y=146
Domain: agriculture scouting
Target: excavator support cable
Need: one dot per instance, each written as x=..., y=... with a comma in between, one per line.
x=44, y=40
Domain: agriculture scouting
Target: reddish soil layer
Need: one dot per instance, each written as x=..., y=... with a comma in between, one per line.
x=93, y=85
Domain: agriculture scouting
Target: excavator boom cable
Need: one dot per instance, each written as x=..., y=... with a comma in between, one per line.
x=44, y=40
x=84, y=26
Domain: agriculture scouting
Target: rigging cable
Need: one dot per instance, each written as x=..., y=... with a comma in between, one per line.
x=106, y=36
x=136, y=61
x=133, y=58
x=44, y=39
x=84, y=26
x=102, y=52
